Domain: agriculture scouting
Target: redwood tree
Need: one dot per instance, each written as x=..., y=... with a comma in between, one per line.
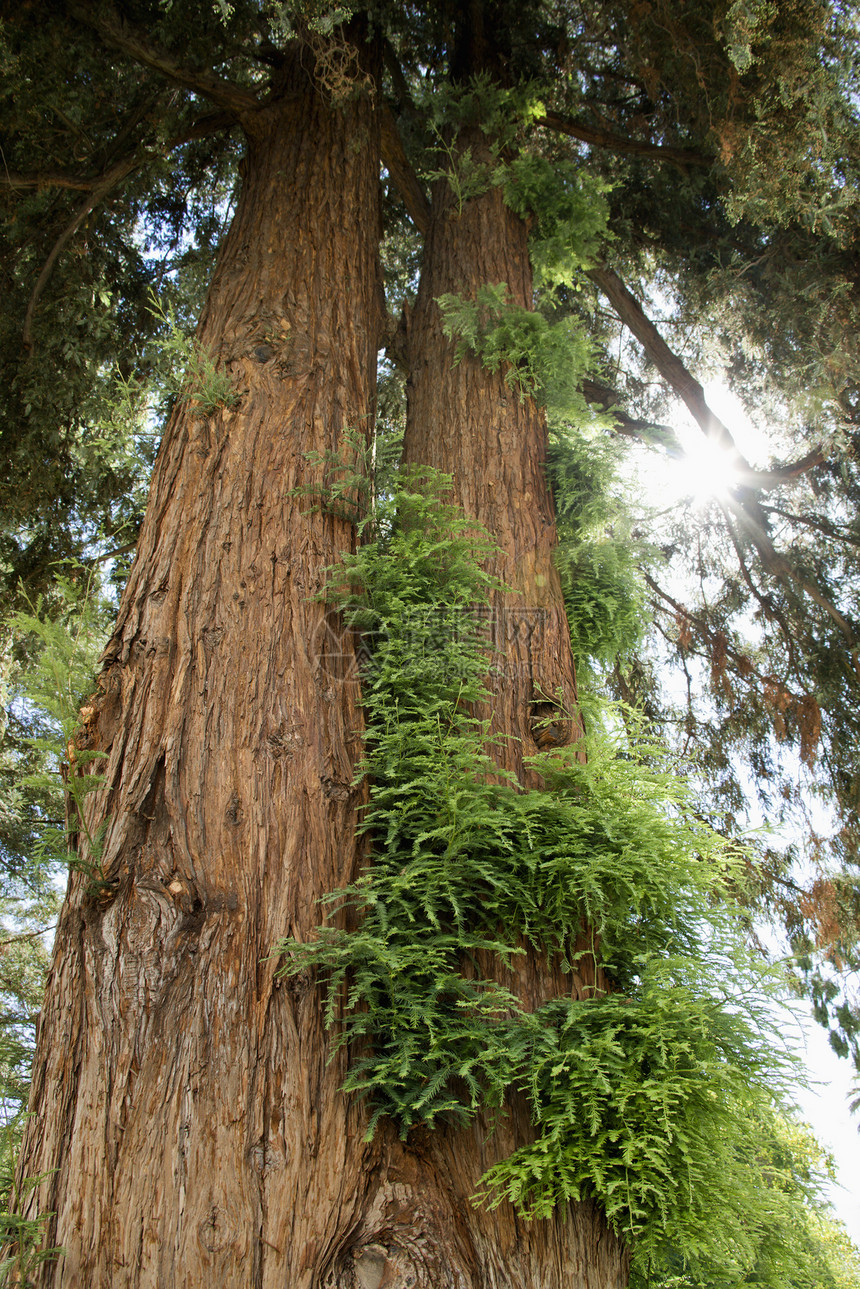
x=228, y=713
x=229, y=716
x=184, y=1110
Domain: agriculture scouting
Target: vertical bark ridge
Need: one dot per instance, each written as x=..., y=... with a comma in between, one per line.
x=181, y=1094
x=467, y=421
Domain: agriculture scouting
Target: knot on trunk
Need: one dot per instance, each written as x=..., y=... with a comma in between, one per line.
x=383, y=1266
x=549, y=727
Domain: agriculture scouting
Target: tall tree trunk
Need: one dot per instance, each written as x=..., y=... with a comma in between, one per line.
x=194, y=1134
x=469, y=422
x=181, y=1093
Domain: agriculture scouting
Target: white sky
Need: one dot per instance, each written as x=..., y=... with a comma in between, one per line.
x=825, y=1107
x=825, y=1104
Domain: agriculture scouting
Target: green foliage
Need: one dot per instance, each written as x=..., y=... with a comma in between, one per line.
x=566, y=206
x=64, y=673
x=68, y=484
x=287, y=17
x=49, y=666
x=642, y=1097
x=351, y=480
x=542, y=360
x=468, y=176
x=492, y=116
x=60, y=675
x=795, y=70
x=498, y=111
x=598, y=559
x=569, y=211
x=604, y=600
x=22, y=1239
x=29, y=901
x=644, y=1102
x=24, y=964
x=794, y=1242
x=191, y=372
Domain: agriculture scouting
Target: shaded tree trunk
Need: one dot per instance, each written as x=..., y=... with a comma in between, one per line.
x=181, y=1092
x=470, y=423
x=194, y=1134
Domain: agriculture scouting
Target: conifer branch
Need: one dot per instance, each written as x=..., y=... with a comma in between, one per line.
x=114, y=176
x=46, y=179
x=401, y=88
x=688, y=389
x=600, y=138
x=100, y=187
x=745, y=668
x=211, y=123
x=119, y=34
x=27, y=935
x=779, y=567
x=817, y=524
x=764, y=601
x=752, y=523
x=629, y=426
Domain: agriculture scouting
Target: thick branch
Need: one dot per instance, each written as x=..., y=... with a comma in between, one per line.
x=669, y=365
x=688, y=389
x=743, y=505
x=400, y=168
x=599, y=138
x=121, y=35
x=752, y=522
x=763, y=480
x=101, y=186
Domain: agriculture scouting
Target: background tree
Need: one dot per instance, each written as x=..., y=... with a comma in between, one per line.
x=726, y=140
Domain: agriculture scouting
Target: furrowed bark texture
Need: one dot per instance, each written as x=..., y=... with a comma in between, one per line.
x=469, y=422
x=181, y=1092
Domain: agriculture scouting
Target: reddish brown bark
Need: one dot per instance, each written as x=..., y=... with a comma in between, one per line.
x=181, y=1093
x=470, y=423
x=181, y=1096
